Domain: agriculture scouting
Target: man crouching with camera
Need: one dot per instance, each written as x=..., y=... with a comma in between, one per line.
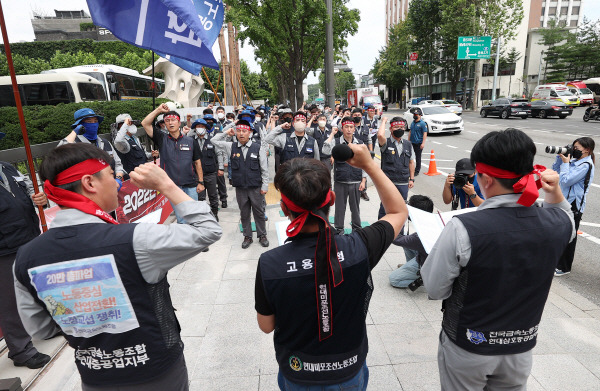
x=461, y=187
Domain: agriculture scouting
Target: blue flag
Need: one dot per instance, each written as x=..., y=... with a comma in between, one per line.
x=173, y=27
x=210, y=13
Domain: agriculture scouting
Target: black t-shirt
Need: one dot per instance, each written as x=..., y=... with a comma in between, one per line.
x=377, y=239
x=177, y=157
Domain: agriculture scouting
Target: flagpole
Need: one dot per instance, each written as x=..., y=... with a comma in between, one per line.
x=153, y=84
x=13, y=78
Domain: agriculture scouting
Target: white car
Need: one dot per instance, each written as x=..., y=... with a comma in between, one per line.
x=451, y=105
x=437, y=118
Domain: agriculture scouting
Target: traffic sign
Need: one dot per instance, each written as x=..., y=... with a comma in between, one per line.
x=412, y=62
x=474, y=48
x=414, y=56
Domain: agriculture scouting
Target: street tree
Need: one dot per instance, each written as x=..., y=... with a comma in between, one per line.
x=289, y=36
x=344, y=81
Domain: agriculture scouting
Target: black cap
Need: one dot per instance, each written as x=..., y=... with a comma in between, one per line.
x=464, y=166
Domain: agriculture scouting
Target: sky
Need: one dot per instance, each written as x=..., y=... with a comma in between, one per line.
x=363, y=48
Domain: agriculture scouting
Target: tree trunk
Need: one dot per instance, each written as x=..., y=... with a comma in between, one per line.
x=299, y=93
x=228, y=97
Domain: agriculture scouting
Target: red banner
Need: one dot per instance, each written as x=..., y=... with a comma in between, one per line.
x=134, y=204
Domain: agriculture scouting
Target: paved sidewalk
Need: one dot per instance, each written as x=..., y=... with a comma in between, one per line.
x=225, y=350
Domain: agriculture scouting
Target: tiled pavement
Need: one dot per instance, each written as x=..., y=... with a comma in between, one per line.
x=225, y=350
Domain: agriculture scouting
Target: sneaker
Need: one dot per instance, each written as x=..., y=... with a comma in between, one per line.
x=247, y=242
x=263, y=241
x=560, y=273
x=205, y=250
x=35, y=362
x=224, y=204
x=364, y=195
x=266, y=217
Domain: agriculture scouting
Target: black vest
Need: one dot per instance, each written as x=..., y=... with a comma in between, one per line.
x=290, y=150
x=320, y=138
x=343, y=172
x=177, y=159
x=256, y=134
x=20, y=222
x=89, y=294
x=289, y=280
x=362, y=133
x=396, y=166
x=498, y=298
x=106, y=147
x=208, y=157
x=245, y=172
x=135, y=157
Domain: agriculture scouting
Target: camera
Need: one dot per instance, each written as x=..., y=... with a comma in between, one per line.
x=566, y=150
x=460, y=180
x=413, y=286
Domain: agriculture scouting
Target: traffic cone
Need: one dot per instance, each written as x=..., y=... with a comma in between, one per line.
x=433, y=166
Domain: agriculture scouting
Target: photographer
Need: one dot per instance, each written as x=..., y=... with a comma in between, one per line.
x=462, y=187
x=576, y=173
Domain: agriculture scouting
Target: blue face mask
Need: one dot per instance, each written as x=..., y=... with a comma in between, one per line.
x=91, y=130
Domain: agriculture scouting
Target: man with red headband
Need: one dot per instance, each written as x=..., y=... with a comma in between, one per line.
x=103, y=285
x=250, y=176
x=296, y=144
x=493, y=267
x=348, y=181
x=314, y=291
x=180, y=156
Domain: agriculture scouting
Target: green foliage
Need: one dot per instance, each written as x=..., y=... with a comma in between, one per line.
x=52, y=123
x=289, y=36
x=23, y=65
x=344, y=81
x=87, y=26
x=571, y=56
x=386, y=69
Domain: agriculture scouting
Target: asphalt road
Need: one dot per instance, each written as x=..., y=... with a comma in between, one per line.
x=449, y=148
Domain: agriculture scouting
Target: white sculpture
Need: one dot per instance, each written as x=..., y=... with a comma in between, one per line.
x=180, y=85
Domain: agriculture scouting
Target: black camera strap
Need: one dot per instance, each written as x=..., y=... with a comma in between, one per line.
x=586, y=182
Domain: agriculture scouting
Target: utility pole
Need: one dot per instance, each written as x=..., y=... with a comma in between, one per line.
x=540, y=68
x=496, y=68
x=329, y=76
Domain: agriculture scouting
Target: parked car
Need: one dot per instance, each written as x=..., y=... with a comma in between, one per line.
x=451, y=105
x=437, y=118
x=426, y=102
x=550, y=108
x=507, y=107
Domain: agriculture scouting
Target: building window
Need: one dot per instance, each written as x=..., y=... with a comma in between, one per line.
x=564, y=10
x=486, y=94
x=506, y=70
x=575, y=11
x=552, y=11
x=573, y=23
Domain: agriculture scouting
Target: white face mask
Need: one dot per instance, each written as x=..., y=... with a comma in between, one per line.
x=257, y=119
x=299, y=126
x=220, y=115
x=200, y=131
x=322, y=124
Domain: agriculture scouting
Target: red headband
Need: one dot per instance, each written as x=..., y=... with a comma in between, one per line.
x=171, y=116
x=328, y=269
x=347, y=122
x=299, y=116
x=74, y=200
x=396, y=123
x=527, y=185
x=371, y=109
x=243, y=127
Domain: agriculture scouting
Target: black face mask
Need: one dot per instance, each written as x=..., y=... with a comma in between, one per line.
x=472, y=179
x=398, y=133
x=577, y=154
x=357, y=120
x=415, y=117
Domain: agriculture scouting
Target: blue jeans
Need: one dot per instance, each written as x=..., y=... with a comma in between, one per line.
x=358, y=382
x=191, y=191
x=403, y=276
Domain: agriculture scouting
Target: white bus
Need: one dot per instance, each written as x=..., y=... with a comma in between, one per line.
x=51, y=89
x=120, y=83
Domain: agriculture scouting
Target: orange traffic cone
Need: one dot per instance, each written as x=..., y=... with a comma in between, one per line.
x=433, y=166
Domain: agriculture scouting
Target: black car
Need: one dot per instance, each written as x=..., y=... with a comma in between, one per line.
x=507, y=107
x=548, y=108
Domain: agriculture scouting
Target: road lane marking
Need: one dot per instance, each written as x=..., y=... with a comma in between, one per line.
x=590, y=224
x=595, y=185
x=441, y=160
x=451, y=146
x=468, y=150
x=535, y=142
x=590, y=237
x=436, y=142
x=468, y=131
x=441, y=172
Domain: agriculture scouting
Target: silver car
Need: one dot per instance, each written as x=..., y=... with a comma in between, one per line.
x=451, y=105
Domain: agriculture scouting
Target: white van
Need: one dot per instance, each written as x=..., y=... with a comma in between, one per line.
x=557, y=92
